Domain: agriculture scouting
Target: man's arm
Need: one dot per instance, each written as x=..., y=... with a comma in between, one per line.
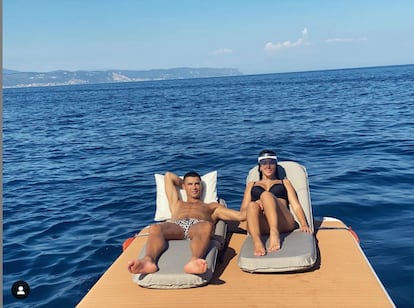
x=172, y=182
x=224, y=213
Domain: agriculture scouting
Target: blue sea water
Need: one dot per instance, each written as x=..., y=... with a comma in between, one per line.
x=78, y=164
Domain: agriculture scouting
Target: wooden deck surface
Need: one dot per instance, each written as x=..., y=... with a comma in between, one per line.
x=342, y=278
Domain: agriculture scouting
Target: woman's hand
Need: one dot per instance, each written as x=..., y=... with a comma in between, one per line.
x=259, y=203
x=305, y=229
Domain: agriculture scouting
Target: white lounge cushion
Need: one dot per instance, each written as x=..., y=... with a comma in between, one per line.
x=298, y=253
x=298, y=176
x=171, y=273
x=298, y=250
x=171, y=263
x=209, y=194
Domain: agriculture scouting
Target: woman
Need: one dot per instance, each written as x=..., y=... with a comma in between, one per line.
x=266, y=203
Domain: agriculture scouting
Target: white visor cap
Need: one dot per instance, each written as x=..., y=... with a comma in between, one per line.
x=267, y=156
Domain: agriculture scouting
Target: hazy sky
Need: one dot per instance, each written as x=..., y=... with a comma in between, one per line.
x=254, y=36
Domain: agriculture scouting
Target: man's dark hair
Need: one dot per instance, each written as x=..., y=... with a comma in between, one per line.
x=192, y=174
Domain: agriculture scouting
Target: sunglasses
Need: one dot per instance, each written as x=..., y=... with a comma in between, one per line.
x=267, y=161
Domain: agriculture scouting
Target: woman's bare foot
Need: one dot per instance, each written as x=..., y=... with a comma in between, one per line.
x=196, y=266
x=274, y=242
x=142, y=266
x=259, y=249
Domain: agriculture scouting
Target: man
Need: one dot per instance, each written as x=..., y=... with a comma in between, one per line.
x=192, y=219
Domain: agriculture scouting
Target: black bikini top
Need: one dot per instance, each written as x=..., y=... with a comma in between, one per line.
x=278, y=190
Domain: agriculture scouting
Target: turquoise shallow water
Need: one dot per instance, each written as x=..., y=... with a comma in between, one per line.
x=78, y=164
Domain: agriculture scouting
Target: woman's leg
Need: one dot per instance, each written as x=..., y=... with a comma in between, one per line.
x=254, y=222
x=270, y=206
x=278, y=217
x=286, y=221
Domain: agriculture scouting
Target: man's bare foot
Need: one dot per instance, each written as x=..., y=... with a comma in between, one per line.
x=259, y=249
x=274, y=243
x=196, y=266
x=142, y=266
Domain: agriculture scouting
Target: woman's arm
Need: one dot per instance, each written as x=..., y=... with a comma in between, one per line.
x=297, y=207
x=246, y=198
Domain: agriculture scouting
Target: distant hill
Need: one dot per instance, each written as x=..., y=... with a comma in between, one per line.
x=6, y=71
x=14, y=79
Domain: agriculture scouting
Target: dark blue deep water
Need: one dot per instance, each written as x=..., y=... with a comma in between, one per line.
x=78, y=164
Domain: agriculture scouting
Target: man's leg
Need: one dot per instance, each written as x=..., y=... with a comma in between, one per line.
x=200, y=236
x=156, y=244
